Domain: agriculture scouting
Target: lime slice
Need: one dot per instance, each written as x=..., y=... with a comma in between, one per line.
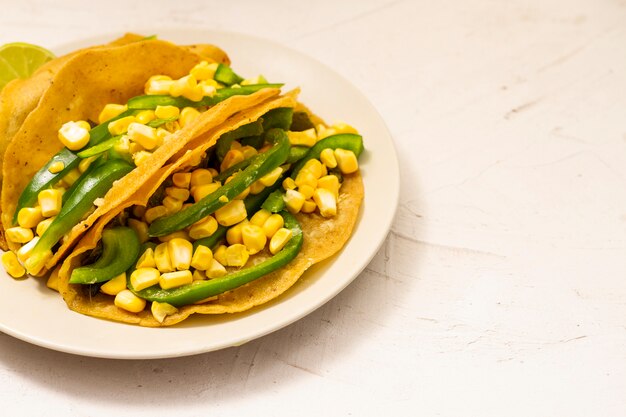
x=20, y=60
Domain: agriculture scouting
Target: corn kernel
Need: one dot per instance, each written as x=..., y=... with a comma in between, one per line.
x=272, y=224
x=140, y=228
x=269, y=179
x=279, y=240
x=175, y=279
x=259, y=79
x=237, y=255
x=253, y=238
x=182, y=180
x=183, y=85
x=181, y=194
x=324, y=132
x=158, y=84
x=130, y=302
x=220, y=254
x=139, y=211
x=43, y=226
x=154, y=213
x=232, y=213
x=187, y=115
x=172, y=126
x=327, y=156
x=232, y=157
x=122, y=145
x=289, y=184
x=145, y=116
x=305, y=177
x=199, y=275
x=201, y=176
x=74, y=136
x=243, y=194
x=142, y=157
x=293, y=200
x=256, y=187
x=314, y=166
x=305, y=138
x=326, y=201
x=71, y=177
x=309, y=206
x=260, y=217
x=204, y=228
x=84, y=164
x=29, y=217
x=248, y=151
x=162, y=134
x=166, y=112
x=144, y=135
x=162, y=258
x=119, y=126
x=56, y=167
x=115, y=285
x=134, y=147
x=172, y=204
x=202, y=258
x=12, y=265
x=330, y=183
x=142, y=278
x=215, y=270
x=24, y=252
x=346, y=161
x=341, y=127
x=181, y=252
x=208, y=89
x=233, y=234
x=110, y=111
x=200, y=191
x=53, y=280
x=161, y=310
x=306, y=190
x=179, y=234
x=204, y=70
x=146, y=260
x=19, y=234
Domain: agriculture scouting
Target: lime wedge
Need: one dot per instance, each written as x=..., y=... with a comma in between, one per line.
x=20, y=60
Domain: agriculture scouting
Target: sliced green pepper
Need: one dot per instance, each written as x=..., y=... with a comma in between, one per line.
x=199, y=290
x=261, y=164
x=274, y=202
x=279, y=118
x=225, y=75
x=120, y=252
x=99, y=148
x=296, y=153
x=348, y=141
x=223, y=143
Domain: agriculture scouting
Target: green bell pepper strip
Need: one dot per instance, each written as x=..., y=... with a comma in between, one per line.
x=223, y=143
x=160, y=122
x=274, y=202
x=99, y=161
x=278, y=118
x=348, y=141
x=150, y=102
x=255, y=141
x=99, y=148
x=296, y=153
x=225, y=75
x=199, y=290
x=262, y=164
x=80, y=201
x=120, y=252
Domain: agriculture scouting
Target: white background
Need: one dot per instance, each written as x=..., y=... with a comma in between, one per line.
x=501, y=289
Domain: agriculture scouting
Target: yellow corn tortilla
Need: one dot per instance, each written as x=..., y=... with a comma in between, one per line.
x=322, y=239
x=79, y=91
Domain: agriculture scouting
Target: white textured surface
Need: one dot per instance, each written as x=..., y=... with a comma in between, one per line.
x=501, y=289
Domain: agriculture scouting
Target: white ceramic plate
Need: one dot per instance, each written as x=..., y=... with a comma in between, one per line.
x=32, y=312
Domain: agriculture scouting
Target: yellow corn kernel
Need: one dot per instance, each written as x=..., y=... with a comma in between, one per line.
x=74, y=135
x=306, y=177
x=119, y=126
x=173, y=205
x=204, y=228
x=289, y=184
x=200, y=191
x=213, y=172
x=272, y=224
x=248, y=151
x=144, y=135
x=314, y=166
x=29, y=217
x=324, y=132
x=140, y=228
x=43, y=226
x=202, y=258
x=161, y=310
x=327, y=156
x=181, y=194
x=158, y=84
x=84, y=164
x=195, y=93
x=181, y=252
x=256, y=187
x=220, y=254
x=305, y=138
x=146, y=260
x=134, y=147
x=142, y=278
x=182, y=180
x=12, y=265
x=232, y=157
x=139, y=211
x=145, y=116
x=187, y=115
x=199, y=275
x=24, y=252
x=215, y=270
x=175, y=279
x=341, y=127
x=259, y=79
x=173, y=126
x=183, y=85
x=71, y=177
x=162, y=134
x=162, y=258
x=19, y=234
x=233, y=234
x=237, y=255
x=326, y=201
x=201, y=176
x=279, y=240
x=154, y=213
x=330, y=183
x=130, y=302
x=122, y=145
x=141, y=157
x=346, y=161
x=53, y=280
x=293, y=200
x=208, y=88
x=166, y=112
x=56, y=167
x=232, y=213
x=204, y=70
x=243, y=194
x=306, y=191
x=180, y=234
x=260, y=217
x=110, y=111
x=269, y=179
x=253, y=238
x=115, y=285
x=309, y=206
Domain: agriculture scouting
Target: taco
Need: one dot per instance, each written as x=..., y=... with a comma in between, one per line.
x=111, y=138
